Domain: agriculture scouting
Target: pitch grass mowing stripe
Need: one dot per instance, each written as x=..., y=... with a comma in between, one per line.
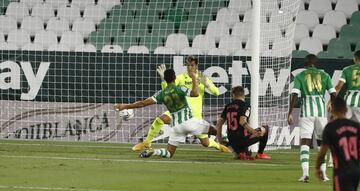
x=49, y=188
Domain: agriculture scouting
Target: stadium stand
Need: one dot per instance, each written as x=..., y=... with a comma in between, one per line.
x=7, y=24
x=44, y=11
x=336, y=19
x=164, y=50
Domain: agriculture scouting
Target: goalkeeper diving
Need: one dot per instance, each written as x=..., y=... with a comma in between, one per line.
x=195, y=104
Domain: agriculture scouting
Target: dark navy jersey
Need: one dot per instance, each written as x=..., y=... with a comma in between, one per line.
x=232, y=113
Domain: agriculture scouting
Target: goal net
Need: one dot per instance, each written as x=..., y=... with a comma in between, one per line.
x=63, y=64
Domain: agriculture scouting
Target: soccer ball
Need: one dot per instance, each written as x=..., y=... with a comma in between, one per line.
x=126, y=114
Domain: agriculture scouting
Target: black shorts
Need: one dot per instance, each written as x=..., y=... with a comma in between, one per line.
x=346, y=182
x=241, y=144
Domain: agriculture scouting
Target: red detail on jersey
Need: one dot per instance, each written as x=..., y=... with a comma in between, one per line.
x=349, y=146
x=336, y=183
x=231, y=118
x=346, y=128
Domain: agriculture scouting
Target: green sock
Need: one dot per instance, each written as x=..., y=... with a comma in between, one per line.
x=162, y=152
x=154, y=130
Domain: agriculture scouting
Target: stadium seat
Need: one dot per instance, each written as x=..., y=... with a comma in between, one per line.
x=58, y=25
x=85, y=48
x=299, y=53
x=108, y=4
x=191, y=28
x=309, y=18
x=8, y=46
x=82, y=3
x=160, y=4
x=241, y=6
x=348, y=7
x=59, y=48
x=217, y=29
x=191, y=51
x=163, y=28
x=336, y=19
x=31, y=3
x=71, y=39
x=7, y=24
x=19, y=37
x=17, y=10
x=45, y=38
x=56, y=4
x=177, y=41
x=2, y=37
x=355, y=18
x=190, y=5
x=228, y=16
x=201, y=15
x=69, y=12
x=269, y=6
x=32, y=24
x=204, y=43
x=230, y=43
x=164, y=50
x=326, y=55
x=290, y=6
x=242, y=31
x=282, y=18
x=351, y=33
x=357, y=47
x=324, y=33
x=95, y=12
x=138, y=50
x=126, y=40
x=33, y=47
x=112, y=49
x=321, y=7
x=264, y=45
x=218, y=52
x=44, y=11
x=99, y=39
x=152, y=41
x=84, y=26
x=272, y=31
x=340, y=48
x=248, y=16
x=136, y=29
x=280, y=47
x=312, y=45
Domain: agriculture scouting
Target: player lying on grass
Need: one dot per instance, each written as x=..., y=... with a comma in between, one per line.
x=183, y=122
x=239, y=132
x=342, y=136
x=195, y=103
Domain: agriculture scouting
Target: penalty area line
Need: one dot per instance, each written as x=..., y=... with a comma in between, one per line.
x=50, y=188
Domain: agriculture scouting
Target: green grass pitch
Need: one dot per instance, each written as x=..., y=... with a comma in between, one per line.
x=69, y=166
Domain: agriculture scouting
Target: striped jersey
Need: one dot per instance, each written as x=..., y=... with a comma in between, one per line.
x=311, y=85
x=351, y=76
x=174, y=98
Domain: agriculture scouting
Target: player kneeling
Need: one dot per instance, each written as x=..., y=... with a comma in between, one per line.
x=239, y=132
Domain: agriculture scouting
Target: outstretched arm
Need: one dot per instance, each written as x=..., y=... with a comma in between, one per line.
x=138, y=104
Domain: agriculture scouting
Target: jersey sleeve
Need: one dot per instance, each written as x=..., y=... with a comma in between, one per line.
x=329, y=85
x=185, y=91
x=297, y=86
x=343, y=76
x=158, y=97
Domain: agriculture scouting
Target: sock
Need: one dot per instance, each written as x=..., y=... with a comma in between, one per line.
x=262, y=143
x=304, y=159
x=154, y=130
x=213, y=144
x=162, y=152
x=323, y=166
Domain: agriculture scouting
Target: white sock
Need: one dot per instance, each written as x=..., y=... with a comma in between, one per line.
x=323, y=166
x=304, y=159
x=162, y=152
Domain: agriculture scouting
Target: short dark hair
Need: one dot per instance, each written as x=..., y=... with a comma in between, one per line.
x=190, y=59
x=169, y=75
x=238, y=91
x=338, y=105
x=357, y=55
x=311, y=60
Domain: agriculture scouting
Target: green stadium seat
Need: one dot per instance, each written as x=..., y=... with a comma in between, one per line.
x=162, y=29
x=126, y=40
x=121, y=14
x=135, y=4
x=176, y=15
x=351, y=33
x=202, y=14
x=357, y=47
x=326, y=54
x=3, y=5
x=112, y=27
x=189, y=5
x=340, y=48
x=136, y=29
x=192, y=28
x=160, y=4
x=355, y=18
x=148, y=15
x=99, y=39
x=152, y=41
x=299, y=53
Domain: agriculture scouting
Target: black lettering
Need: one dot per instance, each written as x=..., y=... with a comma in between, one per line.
x=105, y=121
x=47, y=132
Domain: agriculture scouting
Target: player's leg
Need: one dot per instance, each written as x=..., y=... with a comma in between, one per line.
x=319, y=124
x=306, y=131
x=153, y=131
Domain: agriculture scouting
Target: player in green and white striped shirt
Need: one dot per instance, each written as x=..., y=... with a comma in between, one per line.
x=183, y=122
x=351, y=77
x=311, y=85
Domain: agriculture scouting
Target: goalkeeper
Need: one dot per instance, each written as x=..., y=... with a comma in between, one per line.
x=194, y=102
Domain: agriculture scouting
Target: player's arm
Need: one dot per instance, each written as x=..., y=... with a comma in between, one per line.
x=243, y=122
x=320, y=159
x=294, y=96
x=195, y=86
x=341, y=83
x=219, y=123
x=138, y=104
x=208, y=84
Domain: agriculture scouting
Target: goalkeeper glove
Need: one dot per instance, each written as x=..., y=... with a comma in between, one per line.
x=161, y=70
x=203, y=79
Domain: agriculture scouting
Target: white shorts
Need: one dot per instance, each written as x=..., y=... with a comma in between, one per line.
x=192, y=126
x=353, y=113
x=310, y=125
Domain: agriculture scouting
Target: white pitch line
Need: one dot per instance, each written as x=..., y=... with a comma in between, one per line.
x=123, y=147
x=50, y=188
x=141, y=160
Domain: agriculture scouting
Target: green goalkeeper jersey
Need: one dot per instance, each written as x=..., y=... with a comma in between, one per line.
x=311, y=85
x=174, y=98
x=196, y=103
x=351, y=76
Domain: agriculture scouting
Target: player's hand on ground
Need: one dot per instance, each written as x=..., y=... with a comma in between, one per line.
x=119, y=107
x=290, y=119
x=161, y=70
